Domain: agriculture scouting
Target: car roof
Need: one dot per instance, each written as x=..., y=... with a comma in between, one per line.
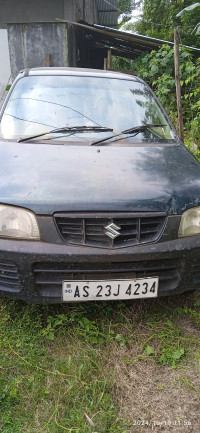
x=78, y=72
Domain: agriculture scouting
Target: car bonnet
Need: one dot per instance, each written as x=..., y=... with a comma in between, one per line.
x=47, y=178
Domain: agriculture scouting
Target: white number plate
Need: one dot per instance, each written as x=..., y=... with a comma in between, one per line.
x=109, y=289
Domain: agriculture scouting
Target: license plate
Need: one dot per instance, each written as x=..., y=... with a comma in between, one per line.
x=109, y=289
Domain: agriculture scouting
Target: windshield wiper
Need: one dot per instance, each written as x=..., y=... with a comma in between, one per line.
x=71, y=129
x=135, y=130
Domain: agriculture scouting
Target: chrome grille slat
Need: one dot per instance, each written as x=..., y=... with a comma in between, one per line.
x=7, y=275
x=91, y=231
x=97, y=233
x=4, y=268
x=92, y=222
x=71, y=232
x=128, y=232
x=147, y=231
x=7, y=283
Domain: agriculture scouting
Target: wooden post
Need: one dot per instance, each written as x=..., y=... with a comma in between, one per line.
x=109, y=59
x=48, y=60
x=178, y=87
x=105, y=64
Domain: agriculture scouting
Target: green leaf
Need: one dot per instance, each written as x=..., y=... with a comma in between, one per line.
x=51, y=336
x=163, y=360
x=57, y=323
x=85, y=323
x=178, y=310
x=94, y=340
x=169, y=323
x=154, y=69
x=197, y=28
x=149, y=351
x=121, y=339
x=177, y=354
x=197, y=304
x=188, y=9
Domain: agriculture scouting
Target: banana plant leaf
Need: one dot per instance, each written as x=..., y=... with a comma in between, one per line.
x=188, y=9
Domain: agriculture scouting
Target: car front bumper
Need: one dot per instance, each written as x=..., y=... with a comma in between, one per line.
x=34, y=271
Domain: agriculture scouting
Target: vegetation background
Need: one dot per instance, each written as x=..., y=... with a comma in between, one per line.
x=158, y=19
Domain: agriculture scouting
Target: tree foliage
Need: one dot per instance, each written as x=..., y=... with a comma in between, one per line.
x=157, y=69
x=124, y=7
x=159, y=17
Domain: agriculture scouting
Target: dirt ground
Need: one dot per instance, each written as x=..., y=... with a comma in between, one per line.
x=158, y=398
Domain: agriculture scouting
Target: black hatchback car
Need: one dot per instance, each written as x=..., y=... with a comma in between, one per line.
x=99, y=199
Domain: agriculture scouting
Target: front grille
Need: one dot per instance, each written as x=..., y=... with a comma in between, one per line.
x=195, y=271
x=9, y=277
x=91, y=231
x=49, y=276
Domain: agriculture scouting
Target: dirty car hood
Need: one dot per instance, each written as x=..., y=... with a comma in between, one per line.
x=48, y=177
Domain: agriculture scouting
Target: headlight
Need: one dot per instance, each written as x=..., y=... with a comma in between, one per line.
x=190, y=223
x=18, y=223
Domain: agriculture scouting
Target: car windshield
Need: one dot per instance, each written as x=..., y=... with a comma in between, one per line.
x=39, y=104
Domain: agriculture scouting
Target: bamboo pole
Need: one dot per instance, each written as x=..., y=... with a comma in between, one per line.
x=177, y=80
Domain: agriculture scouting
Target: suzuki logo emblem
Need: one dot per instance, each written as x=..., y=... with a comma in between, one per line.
x=112, y=230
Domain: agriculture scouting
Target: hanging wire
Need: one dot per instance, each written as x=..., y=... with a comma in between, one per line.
x=166, y=25
x=106, y=1
x=117, y=9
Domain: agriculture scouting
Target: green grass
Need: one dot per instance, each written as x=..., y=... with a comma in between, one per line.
x=57, y=363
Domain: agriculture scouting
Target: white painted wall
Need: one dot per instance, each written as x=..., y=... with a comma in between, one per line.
x=4, y=62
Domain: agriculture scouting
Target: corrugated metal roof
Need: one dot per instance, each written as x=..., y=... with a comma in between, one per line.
x=107, y=12
x=125, y=44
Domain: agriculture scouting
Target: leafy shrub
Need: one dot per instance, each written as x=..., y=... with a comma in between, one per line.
x=157, y=69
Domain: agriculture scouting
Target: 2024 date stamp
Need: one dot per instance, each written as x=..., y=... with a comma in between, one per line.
x=153, y=423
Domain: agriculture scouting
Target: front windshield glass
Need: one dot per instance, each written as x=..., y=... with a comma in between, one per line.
x=39, y=104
